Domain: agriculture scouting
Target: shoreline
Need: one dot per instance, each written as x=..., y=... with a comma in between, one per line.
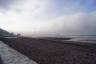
x=45, y=51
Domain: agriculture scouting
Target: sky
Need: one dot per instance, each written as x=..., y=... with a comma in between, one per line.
x=48, y=17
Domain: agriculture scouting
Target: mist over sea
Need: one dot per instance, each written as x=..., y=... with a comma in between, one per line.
x=83, y=38
x=80, y=38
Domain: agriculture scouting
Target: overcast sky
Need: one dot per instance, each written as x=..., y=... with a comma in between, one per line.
x=59, y=17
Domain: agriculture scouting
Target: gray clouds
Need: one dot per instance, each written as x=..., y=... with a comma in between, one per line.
x=4, y=4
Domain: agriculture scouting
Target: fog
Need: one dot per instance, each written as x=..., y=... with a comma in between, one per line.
x=48, y=17
x=76, y=24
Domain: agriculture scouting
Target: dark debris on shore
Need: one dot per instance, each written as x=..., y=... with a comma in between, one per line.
x=45, y=51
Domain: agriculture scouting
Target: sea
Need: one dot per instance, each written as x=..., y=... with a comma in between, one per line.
x=83, y=38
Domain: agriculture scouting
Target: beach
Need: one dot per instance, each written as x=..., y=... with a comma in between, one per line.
x=10, y=56
x=44, y=51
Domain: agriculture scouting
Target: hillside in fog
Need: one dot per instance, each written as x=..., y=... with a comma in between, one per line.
x=4, y=33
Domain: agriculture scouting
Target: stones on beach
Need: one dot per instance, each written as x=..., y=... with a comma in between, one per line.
x=11, y=56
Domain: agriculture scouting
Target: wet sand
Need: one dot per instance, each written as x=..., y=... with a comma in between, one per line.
x=45, y=51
